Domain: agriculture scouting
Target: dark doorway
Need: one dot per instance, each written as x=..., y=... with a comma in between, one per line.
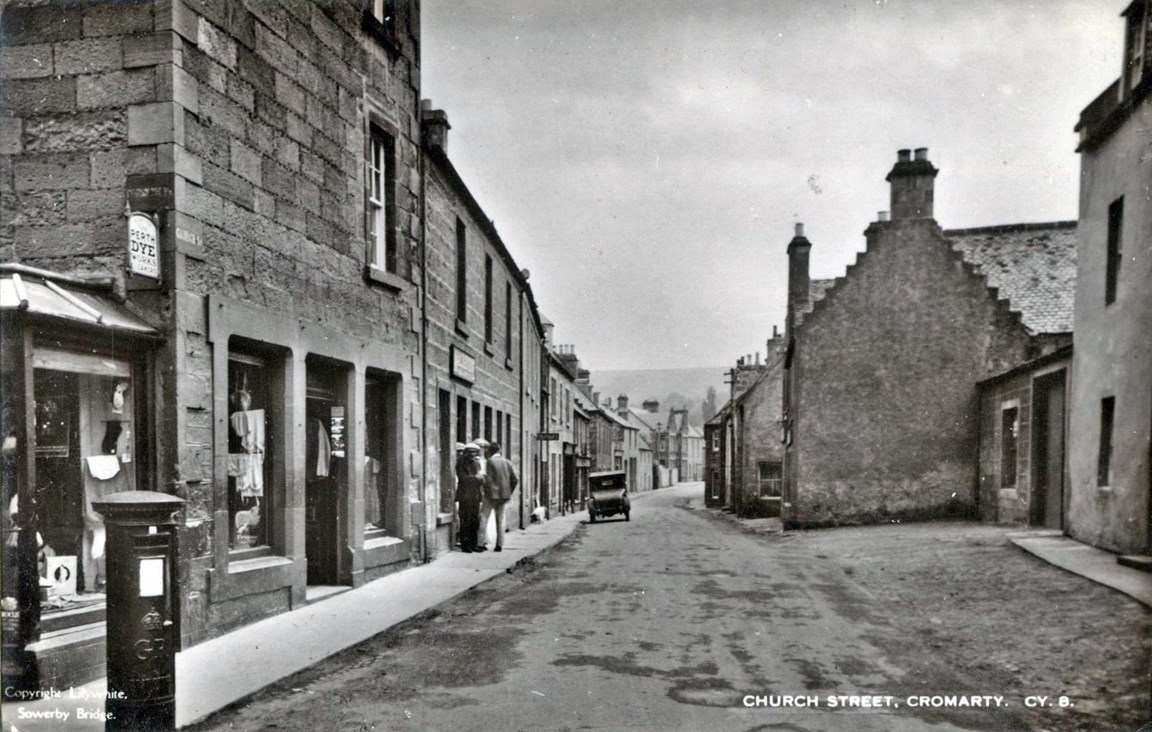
x=325, y=469
x=1049, y=394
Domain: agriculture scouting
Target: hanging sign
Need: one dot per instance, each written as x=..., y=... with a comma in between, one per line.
x=143, y=246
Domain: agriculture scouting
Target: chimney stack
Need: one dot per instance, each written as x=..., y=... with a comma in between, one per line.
x=798, y=279
x=651, y=405
x=913, y=183
x=622, y=402
x=435, y=126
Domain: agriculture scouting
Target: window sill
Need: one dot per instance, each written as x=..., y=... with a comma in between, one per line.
x=461, y=328
x=508, y=364
x=388, y=280
x=240, y=566
x=1104, y=489
x=379, y=541
x=444, y=519
x=488, y=349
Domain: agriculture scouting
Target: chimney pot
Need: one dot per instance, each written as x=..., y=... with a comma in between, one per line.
x=883, y=216
x=921, y=153
x=757, y=358
x=799, y=230
x=903, y=156
x=525, y=274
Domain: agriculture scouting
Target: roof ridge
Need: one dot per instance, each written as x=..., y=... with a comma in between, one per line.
x=1010, y=228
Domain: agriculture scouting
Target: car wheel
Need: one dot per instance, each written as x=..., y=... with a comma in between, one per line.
x=627, y=516
x=591, y=517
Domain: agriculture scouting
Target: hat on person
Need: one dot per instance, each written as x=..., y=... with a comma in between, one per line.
x=459, y=447
x=472, y=446
x=482, y=442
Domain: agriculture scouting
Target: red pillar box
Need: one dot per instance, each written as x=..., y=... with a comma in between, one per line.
x=142, y=602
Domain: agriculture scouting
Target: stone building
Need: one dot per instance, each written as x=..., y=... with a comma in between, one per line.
x=758, y=451
x=880, y=399
x=1023, y=410
x=260, y=356
x=479, y=316
x=1109, y=462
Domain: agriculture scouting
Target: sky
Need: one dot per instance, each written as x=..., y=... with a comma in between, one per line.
x=647, y=160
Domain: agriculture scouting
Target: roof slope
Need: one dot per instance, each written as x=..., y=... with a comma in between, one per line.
x=1033, y=266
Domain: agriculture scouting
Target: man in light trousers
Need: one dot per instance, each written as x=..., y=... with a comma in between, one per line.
x=499, y=482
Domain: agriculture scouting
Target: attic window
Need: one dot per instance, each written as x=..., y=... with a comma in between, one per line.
x=380, y=23
x=1137, y=47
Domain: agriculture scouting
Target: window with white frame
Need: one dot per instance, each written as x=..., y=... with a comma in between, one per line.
x=381, y=239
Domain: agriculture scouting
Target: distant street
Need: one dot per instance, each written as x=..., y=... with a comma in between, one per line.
x=683, y=620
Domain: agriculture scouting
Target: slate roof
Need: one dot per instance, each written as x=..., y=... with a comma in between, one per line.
x=1033, y=266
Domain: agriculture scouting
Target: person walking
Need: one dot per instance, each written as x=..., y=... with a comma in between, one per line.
x=469, y=487
x=485, y=504
x=499, y=482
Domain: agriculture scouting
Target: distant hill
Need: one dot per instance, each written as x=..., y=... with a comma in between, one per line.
x=662, y=384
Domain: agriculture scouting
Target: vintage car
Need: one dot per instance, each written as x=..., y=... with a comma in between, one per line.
x=608, y=495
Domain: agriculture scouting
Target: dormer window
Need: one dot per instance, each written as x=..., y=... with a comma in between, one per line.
x=1137, y=45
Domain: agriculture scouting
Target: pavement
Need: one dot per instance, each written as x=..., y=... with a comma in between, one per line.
x=213, y=674
x=1087, y=561
x=1050, y=545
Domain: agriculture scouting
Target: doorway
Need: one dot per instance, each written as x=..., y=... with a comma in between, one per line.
x=325, y=469
x=1049, y=398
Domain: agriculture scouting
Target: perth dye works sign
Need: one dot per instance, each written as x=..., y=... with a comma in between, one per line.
x=463, y=366
x=143, y=246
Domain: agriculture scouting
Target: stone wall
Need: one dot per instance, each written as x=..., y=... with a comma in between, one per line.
x=243, y=127
x=885, y=372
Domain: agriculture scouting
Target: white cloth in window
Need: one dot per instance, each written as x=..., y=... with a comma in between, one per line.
x=248, y=470
x=249, y=426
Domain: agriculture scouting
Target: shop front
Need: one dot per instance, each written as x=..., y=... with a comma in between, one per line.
x=78, y=412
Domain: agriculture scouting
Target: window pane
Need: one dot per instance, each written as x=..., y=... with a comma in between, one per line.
x=249, y=451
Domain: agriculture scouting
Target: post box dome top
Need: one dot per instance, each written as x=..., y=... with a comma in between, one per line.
x=135, y=497
x=134, y=507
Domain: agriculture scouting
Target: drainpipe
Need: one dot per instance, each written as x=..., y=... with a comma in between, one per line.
x=422, y=163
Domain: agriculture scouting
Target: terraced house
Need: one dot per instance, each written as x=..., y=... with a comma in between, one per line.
x=239, y=269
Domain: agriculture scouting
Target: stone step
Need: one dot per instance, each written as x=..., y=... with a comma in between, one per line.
x=1136, y=561
x=72, y=656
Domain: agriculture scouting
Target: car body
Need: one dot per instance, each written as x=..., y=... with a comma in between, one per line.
x=608, y=495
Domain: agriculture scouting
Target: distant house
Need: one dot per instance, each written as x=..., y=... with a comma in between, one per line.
x=685, y=446
x=1111, y=402
x=758, y=451
x=881, y=405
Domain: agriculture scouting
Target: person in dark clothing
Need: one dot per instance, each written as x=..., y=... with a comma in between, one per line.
x=469, y=486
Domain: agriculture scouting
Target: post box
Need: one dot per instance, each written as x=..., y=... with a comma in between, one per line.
x=142, y=603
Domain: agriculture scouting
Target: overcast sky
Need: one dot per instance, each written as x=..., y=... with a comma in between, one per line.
x=647, y=159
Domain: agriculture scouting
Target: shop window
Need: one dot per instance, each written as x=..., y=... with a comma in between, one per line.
x=251, y=447
x=1104, y=459
x=507, y=446
x=499, y=427
x=380, y=417
x=476, y=421
x=1009, y=445
x=88, y=432
x=488, y=423
x=1114, y=254
x=379, y=214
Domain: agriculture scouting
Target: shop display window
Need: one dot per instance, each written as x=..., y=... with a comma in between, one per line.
x=381, y=510
x=251, y=449
x=85, y=428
